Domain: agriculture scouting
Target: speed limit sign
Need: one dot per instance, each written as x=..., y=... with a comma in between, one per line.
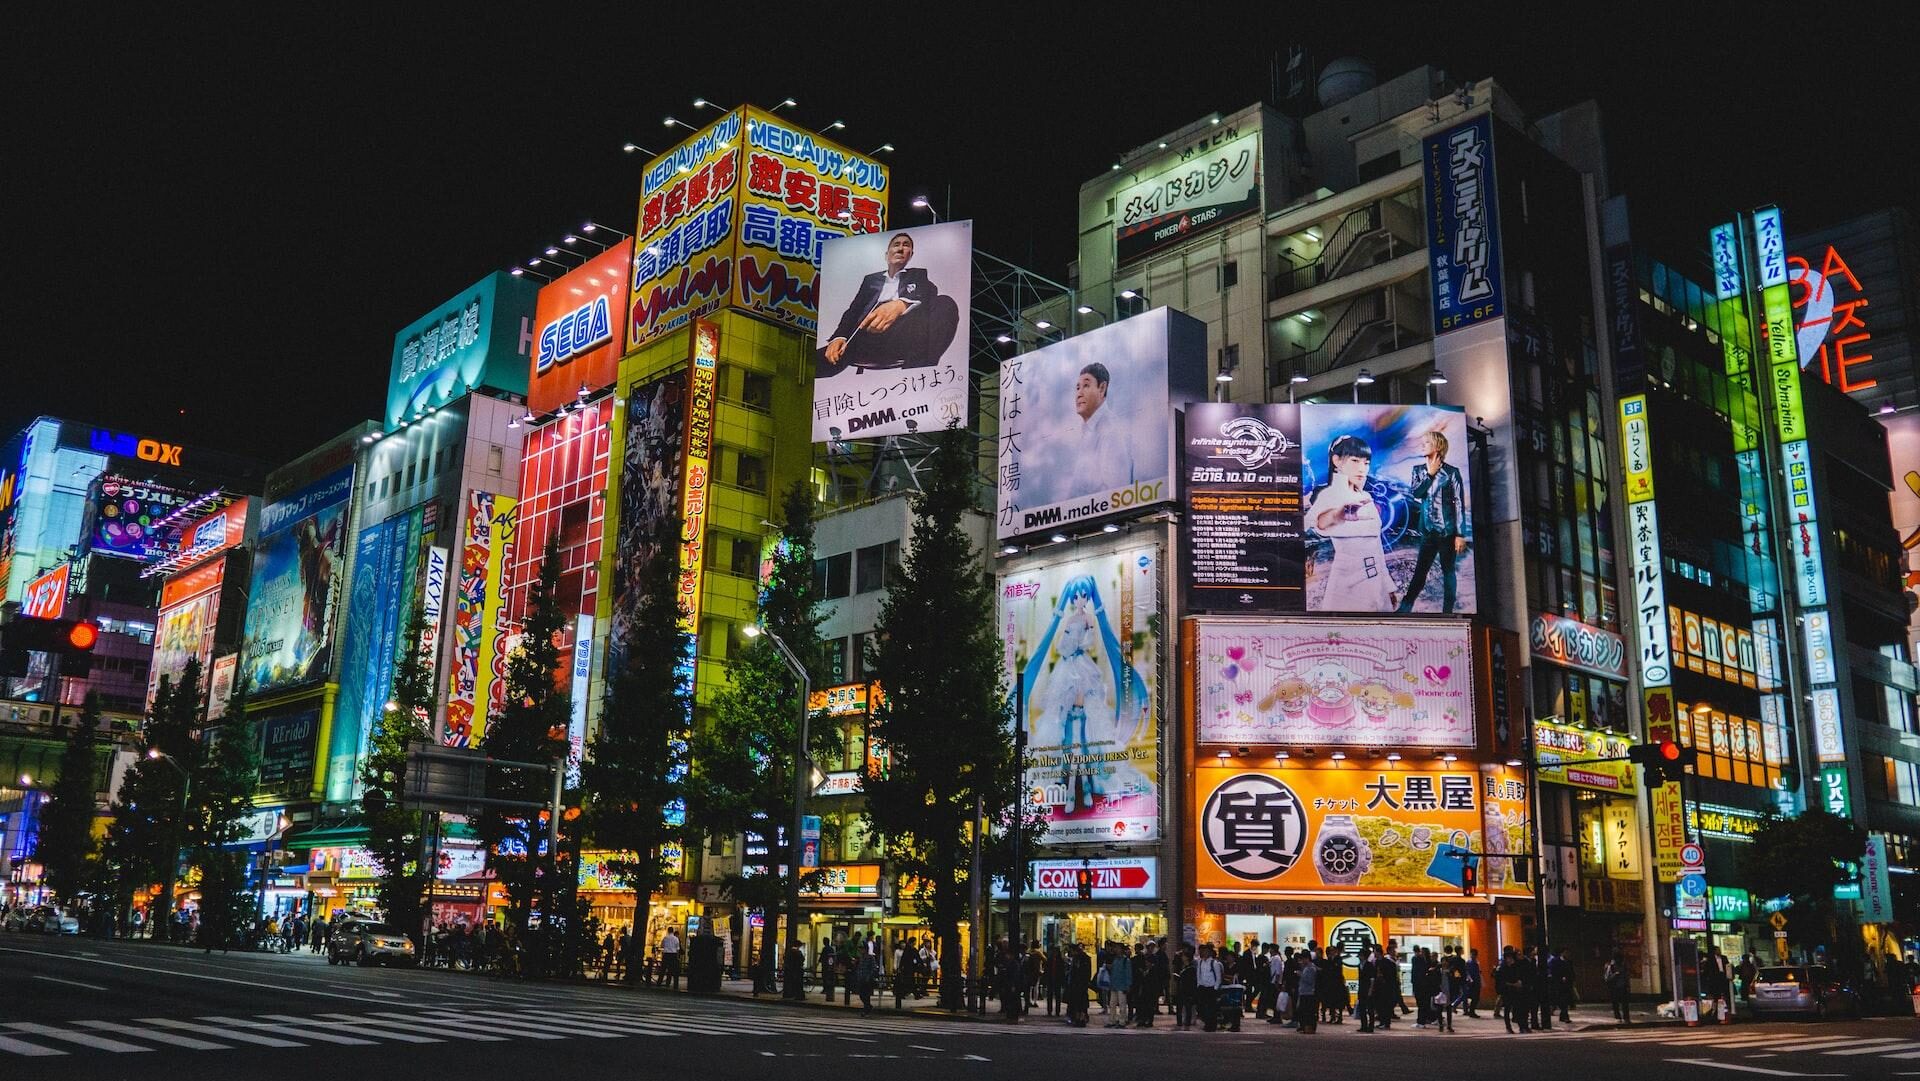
x=1692, y=856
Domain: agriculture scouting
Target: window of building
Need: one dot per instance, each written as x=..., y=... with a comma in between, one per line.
x=716, y=638
x=573, y=524
x=756, y=390
x=1374, y=168
x=409, y=483
x=873, y=566
x=833, y=576
x=494, y=459
x=1229, y=274
x=750, y=471
x=1730, y=747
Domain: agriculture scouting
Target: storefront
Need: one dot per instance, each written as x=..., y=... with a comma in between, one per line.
x=1356, y=848
x=846, y=903
x=1123, y=902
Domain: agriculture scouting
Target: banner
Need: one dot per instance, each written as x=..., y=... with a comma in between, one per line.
x=133, y=519
x=1346, y=685
x=296, y=574
x=1463, y=225
x=477, y=684
x=1081, y=645
x=1555, y=743
x=1188, y=198
x=1328, y=508
x=46, y=596
x=379, y=603
x=890, y=353
x=287, y=743
x=184, y=631
x=220, y=689
x=1377, y=830
x=652, y=463
x=1086, y=423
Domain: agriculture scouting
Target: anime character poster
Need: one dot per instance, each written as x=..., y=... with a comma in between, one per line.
x=1389, y=509
x=296, y=575
x=652, y=459
x=1082, y=640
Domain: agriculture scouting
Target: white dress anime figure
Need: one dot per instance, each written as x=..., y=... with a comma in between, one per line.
x=1344, y=512
x=1095, y=711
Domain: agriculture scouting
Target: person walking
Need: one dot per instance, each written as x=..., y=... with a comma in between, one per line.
x=1364, y=976
x=1716, y=979
x=1560, y=976
x=1420, y=966
x=1474, y=983
x=1119, y=986
x=1149, y=975
x=1749, y=970
x=829, y=962
x=906, y=960
x=1056, y=977
x=1079, y=976
x=1540, y=989
x=867, y=974
x=1306, y=1002
x=1180, y=990
x=1208, y=976
x=1452, y=978
x=670, y=960
x=1333, y=986
x=1386, y=985
x=1618, y=982
x=1290, y=962
x=1516, y=993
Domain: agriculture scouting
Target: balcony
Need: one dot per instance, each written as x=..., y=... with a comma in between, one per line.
x=1364, y=237
x=1369, y=325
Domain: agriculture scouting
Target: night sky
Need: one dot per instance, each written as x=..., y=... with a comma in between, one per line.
x=213, y=231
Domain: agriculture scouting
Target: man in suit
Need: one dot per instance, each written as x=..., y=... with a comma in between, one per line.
x=898, y=319
x=1442, y=493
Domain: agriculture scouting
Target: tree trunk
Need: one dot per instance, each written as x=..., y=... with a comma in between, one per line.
x=952, y=971
x=767, y=943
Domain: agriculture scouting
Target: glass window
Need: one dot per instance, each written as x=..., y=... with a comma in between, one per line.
x=750, y=471
x=832, y=575
x=756, y=390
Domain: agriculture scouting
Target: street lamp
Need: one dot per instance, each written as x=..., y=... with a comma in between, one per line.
x=792, y=989
x=920, y=201
x=172, y=869
x=1364, y=379
x=1293, y=384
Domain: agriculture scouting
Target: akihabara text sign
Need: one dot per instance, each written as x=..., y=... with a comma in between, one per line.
x=479, y=337
x=1213, y=184
x=1086, y=424
x=890, y=356
x=1080, y=643
x=1346, y=685
x=1463, y=225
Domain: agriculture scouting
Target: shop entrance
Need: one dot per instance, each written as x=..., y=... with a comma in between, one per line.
x=1094, y=929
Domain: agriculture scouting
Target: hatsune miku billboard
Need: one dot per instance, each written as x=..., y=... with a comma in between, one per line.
x=1082, y=643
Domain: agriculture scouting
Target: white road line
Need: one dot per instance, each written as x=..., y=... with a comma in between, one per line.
x=287, y=1030
x=403, y=1037
x=84, y=1039
x=72, y=983
x=1749, y=1069
x=530, y=1030
x=923, y=1047
x=1881, y=1049
x=456, y=1033
x=170, y=1038
x=220, y=1031
x=22, y=1047
x=192, y=975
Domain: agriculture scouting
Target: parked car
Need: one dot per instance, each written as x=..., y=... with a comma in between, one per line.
x=21, y=918
x=369, y=944
x=55, y=922
x=1813, y=990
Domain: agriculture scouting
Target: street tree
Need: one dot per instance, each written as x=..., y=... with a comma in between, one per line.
x=743, y=754
x=635, y=772
x=222, y=802
x=1802, y=859
x=65, y=848
x=943, y=718
x=397, y=835
x=149, y=811
x=530, y=727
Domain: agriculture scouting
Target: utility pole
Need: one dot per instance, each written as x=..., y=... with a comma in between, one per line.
x=1017, y=881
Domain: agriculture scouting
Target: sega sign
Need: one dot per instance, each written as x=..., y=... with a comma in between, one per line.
x=576, y=332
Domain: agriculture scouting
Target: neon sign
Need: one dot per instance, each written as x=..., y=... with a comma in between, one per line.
x=576, y=332
x=1830, y=329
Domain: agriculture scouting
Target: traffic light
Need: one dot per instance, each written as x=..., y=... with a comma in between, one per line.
x=1662, y=761
x=1469, y=877
x=71, y=640
x=1083, y=882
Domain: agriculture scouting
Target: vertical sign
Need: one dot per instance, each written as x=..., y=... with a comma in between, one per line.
x=1463, y=230
x=477, y=683
x=582, y=671
x=1652, y=635
x=1876, y=892
x=1638, y=452
x=1725, y=242
x=694, y=478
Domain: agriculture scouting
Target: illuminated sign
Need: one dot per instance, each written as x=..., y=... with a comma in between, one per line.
x=1770, y=239
x=223, y=529
x=1669, y=831
x=1637, y=448
x=574, y=333
x=696, y=471
x=1573, y=644
x=846, y=881
x=46, y=596
x=1827, y=741
x=1835, y=794
x=1136, y=879
x=1817, y=632
x=1463, y=225
x=581, y=318
x=133, y=446
x=1555, y=743
x=1728, y=905
x=1201, y=192
x=845, y=700
x=1723, y=822
x=477, y=673
x=131, y=518
x=479, y=337
x=1649, y=595
x=1831, y=330
x=1725, y=240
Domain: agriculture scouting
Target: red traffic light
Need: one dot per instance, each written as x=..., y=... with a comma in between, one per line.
x=1669, y=750
x=83, y=635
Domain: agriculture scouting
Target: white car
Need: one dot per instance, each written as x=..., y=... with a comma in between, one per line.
x=55, y=922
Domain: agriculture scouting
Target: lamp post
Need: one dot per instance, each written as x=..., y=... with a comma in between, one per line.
x=792, y=988
x=172, y=869
x=920, y=202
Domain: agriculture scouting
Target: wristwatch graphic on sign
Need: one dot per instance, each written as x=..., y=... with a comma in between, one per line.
x=1340, y=854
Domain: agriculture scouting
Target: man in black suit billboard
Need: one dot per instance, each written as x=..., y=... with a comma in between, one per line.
x=898, y=319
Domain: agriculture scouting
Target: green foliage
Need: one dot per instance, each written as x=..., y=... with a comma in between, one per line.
x=396, y=834
x=636, y=764
x=944, y=719
x=222, y=800
x=530, y=727
x=149, y=823
x=1798, y=858
x=65, y=847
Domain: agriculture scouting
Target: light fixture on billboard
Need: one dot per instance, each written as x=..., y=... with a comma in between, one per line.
x=1215, y=120
x=1059, y=538
x=513, y=422
x=1449, y=757
x=1004, y=339
x=1129, y=294
x=670, y=122
x=920, y=202
x=1437, y=379
x=1010, y=550
x=1110, y=527
x=703, y=103
x=1223, y=756
x=883, y=147
x=553, y=251
x=533, y=262
x=592, y=226
x=583, y=391
x=1393, y=756
x=1886, y=408
x=528, y=417
x=1294, y=381
x=1042, y=324
x=1116, y=166
x=785, y=103
x=1163, y=146
x=1281, y=756
x=1515, y=763
x=1084, y=309
x=634, y=148
x=1338, y=756
x=1703, y=709
x=1224, y=376
x=836, y=125
x=1364, y=379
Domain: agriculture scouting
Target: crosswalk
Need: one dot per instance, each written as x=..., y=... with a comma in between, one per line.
x=444, y=1023
x=1902, y=1044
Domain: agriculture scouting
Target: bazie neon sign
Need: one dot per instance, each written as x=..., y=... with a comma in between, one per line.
x=574, y=333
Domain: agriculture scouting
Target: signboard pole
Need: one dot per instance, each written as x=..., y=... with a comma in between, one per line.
x=1018, y=884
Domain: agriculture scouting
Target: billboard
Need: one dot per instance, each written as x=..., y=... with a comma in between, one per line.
x=1327, y=508
x=46, y=596
x=652, y=462
x=684, y=242
x=223, y=529
x=1555, y=743
x=287, y=742
x=128, y=518
x=184, y=632
x=379, y=602
x=1193, y=196
x=296, y=572
x=1081, y=645
x=890, y=354
x=220, y=685
x=478, y=337
x=1375, y=830
x=477, y=673
x=1318, y=684
x=1463, y=225
x=1086, y=424
x=579, y=328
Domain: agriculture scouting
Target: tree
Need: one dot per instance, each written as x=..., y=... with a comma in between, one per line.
x=944, y=716
x=396, y=833
x=1800, y=859
x=531, y=727
x=149, y=819
x=222, y=801
x=65, y=847
x=635, y=771
x=743, y=755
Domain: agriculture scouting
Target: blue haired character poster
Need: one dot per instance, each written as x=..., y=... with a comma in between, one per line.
x=1082, y=639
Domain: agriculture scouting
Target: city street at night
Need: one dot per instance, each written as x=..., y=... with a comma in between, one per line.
x=99, y=1011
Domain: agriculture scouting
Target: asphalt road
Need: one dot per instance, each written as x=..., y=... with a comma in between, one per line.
x=86, y=1009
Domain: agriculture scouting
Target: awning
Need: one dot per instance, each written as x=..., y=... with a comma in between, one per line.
x=329, y=837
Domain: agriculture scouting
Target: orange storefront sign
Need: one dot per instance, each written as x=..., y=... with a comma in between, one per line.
x=1380, y=828
x=201, y=579
x=579, y=330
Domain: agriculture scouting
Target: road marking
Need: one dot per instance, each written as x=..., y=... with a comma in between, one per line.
x=403, y=1037
x=223, y=1033
x=530, y=1029
x=289, y=1030
x=22, y=1047
x=457, y=1033
x=1749, y=1069
x=72, y=983
x=84, y=1039
x=191, y=975
x=366, y=991
x=923, y=1047
x=170, y=1038
x=856, y=1039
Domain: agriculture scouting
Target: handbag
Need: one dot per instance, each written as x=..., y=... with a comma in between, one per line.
x=1285, y=1002
x=1450, y=859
